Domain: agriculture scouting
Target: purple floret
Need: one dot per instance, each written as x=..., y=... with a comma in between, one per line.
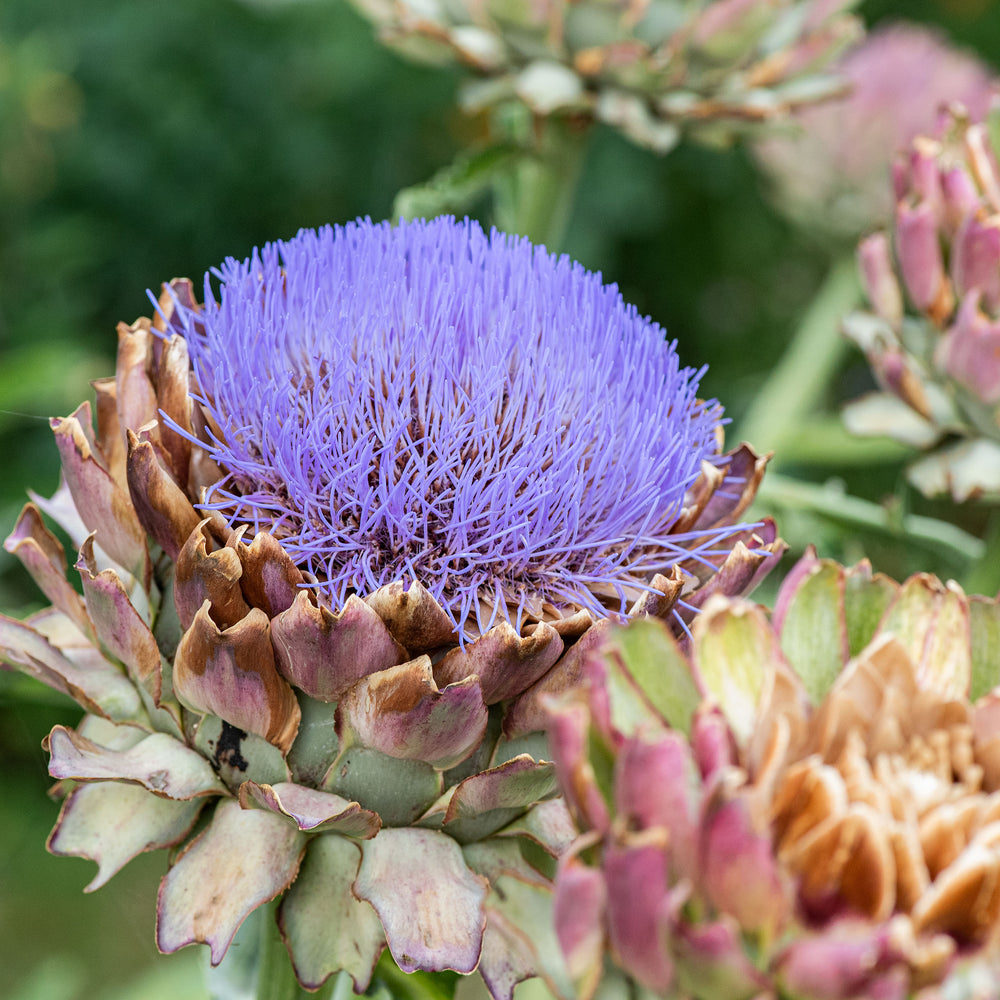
x=428, y=402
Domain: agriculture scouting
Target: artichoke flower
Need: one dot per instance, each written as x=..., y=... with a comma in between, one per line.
x=340, y=528
x=804, y=804
x=649, y=68
x=833, y=170
x=931, y=334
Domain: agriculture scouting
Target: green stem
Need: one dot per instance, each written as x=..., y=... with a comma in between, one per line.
x=275, y=976
x=810, y=360
x=823, y=441
x=257, y=965
x=410, y=985
x=829, y=501
x=984, y=576
x=535, y=199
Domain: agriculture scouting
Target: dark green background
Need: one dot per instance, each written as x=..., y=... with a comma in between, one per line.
x=141, y=140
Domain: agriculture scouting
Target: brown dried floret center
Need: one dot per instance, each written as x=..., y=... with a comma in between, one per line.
x=887, y=810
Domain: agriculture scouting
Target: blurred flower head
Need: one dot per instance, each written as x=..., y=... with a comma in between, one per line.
x=445, y=459
x=800, y=805
x=649, y=69
x=834, y=169
x=934, y=287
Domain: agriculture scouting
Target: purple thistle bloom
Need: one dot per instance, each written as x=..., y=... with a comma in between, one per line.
x=426, y=402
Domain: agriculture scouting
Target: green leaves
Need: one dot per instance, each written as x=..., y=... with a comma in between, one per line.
x=455, y=189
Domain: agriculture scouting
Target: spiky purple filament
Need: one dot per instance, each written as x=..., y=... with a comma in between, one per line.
x=426, y=402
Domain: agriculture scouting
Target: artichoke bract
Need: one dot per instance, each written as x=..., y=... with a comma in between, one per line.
x=650, y=69
x=342, y=530
x=800, y=804
x=931, y=335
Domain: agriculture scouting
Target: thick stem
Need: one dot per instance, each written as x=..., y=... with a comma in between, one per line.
x=805, y=369
x=535, y=199
x=257, y=967
x=984, y=576
x=399, y=985
x=938, y=536
x=275, y=977
x=823, y=441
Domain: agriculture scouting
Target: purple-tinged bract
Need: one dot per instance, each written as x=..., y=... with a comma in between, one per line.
x=428, y=402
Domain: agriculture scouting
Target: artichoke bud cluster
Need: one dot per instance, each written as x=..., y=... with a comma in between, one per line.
x=932, y=332
x=650, y=69
x=804, y=803
x=379, y=767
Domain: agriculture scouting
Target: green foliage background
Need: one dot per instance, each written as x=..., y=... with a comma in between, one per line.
x=142, y=140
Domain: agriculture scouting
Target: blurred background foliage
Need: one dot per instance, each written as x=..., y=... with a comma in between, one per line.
x=139, y=141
